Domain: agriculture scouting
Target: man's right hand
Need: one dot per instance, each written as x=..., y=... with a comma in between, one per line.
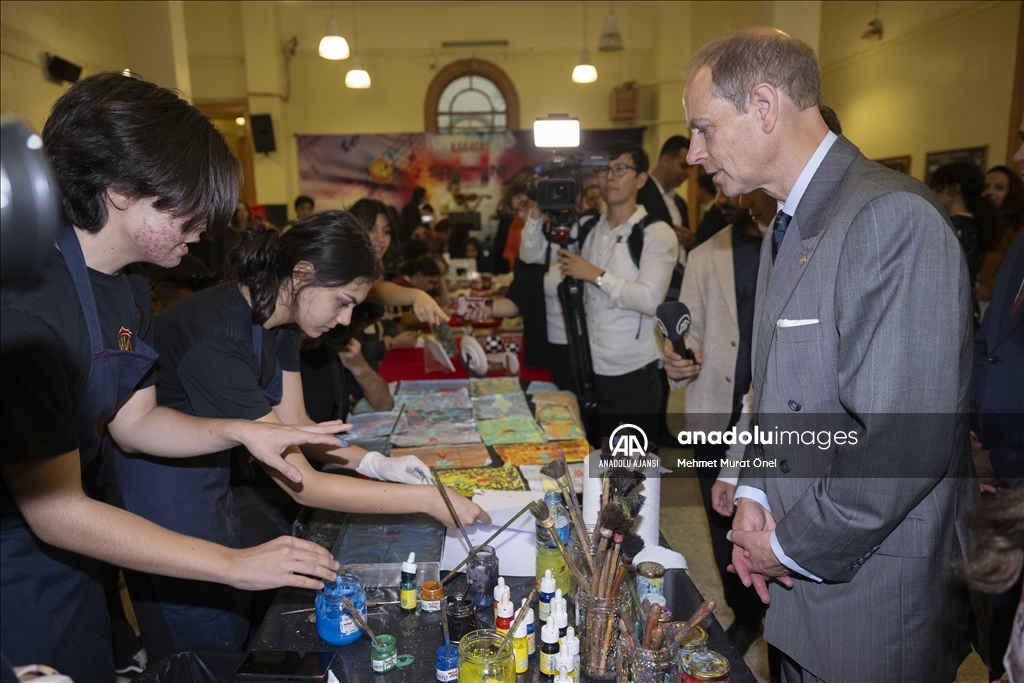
x=679, y=368
x=284, y=561
x=751, y=516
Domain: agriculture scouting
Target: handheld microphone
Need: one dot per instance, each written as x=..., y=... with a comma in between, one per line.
x=674, y=321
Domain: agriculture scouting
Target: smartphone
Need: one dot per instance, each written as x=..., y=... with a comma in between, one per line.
x=465, y=304
x=285, y=665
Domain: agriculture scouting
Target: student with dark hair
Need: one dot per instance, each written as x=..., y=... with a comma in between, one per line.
x=1005, y=188
x=304, y=207
x=422, y=273
x=659, y=196
x=959, y=188
x=232, y=351
x=141, y=174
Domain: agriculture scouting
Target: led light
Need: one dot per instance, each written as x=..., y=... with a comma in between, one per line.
x=240, y=120
x=332, y=45
x=557, y=130
x=584, y=71
x=357, y=77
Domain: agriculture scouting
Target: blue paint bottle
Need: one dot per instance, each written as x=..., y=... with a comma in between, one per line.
x=334, y=623
x=546, y=594
x=447, y=663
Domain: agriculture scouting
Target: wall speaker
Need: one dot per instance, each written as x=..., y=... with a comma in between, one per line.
x=61, y=69
x=262, y=133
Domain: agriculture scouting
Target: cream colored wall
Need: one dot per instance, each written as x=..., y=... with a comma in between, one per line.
x=942, y=86
x=89, y=34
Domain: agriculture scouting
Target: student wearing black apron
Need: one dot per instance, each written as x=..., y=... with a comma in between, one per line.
x=141, y=173
x=232, y=351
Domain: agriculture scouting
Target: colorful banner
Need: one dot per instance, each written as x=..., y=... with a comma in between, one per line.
x=338, y=170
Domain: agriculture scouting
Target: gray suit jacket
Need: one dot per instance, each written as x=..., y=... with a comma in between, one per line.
x=872, y=258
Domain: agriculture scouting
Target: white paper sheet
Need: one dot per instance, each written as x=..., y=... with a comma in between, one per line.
x=516, y=546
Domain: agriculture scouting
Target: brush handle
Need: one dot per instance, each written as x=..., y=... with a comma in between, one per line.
x=626, y=622
x=577, y=520
x=700, y=615
x=657, y=635
x=652, y=621
x=358, y=618
x=444, y=623
x=573, y=500
x=569, y=562
x=451, y=508
x=486, y=543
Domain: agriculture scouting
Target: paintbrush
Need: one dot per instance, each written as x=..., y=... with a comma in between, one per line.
x=515, y=624
x=632, y=545
x=539, y=509
x=557, y=471
x=444, y=627
x=700, y=615
x=401, y=410
x=486, y=543
x=572, y=499
x=652, y=620
x=613, y=594
x=451, y=508
x=611, y=518
x=358, y=618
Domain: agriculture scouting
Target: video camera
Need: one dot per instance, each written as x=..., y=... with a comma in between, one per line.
x=557, y=191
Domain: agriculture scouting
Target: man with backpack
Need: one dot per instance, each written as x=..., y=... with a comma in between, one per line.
x=626, y=261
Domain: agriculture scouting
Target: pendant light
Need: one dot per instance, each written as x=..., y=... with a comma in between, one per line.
x=611, y=38
x=584, y=71
x=357, y=77
x=332, y=45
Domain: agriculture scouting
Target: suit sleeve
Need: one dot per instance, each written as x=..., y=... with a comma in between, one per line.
x=902, y=309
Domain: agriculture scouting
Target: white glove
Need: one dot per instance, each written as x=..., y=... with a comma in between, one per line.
x=407, y=469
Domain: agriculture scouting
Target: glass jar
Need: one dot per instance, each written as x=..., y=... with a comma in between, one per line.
x=637, y=665
x=482, y=576
x=334, y=622
x=695, y=640
x=650, y=578
x=384, y=657
x=461, y=617
x=598, y=636
x=703, y=666
x=478, y=660
x=431, y=595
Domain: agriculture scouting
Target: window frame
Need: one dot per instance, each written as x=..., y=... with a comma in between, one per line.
x=470, y=67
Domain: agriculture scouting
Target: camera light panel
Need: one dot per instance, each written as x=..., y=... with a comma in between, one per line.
x=559, y=133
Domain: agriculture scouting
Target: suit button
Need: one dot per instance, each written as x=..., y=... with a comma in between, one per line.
x=993, y=359
x=794, y=406
x=733, y=343
x=784, y=466
x=728, y=379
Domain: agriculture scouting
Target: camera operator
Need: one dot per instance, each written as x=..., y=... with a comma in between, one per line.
x=623, y=291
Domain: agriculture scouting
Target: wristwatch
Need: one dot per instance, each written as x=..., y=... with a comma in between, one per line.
x=599, y=280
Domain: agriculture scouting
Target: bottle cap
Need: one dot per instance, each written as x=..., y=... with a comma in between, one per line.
x=563, y=675
x=504, y=607
x=409, y=566
x=559, y=614
x=558, y=595
x=521, y=629
x=500, y=589
x=570, y=643
x=547, y=584
x=549, y=632
x=553, y=498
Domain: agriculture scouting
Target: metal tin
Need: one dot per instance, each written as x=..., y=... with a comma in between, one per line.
x=703, y=666
x=650, y=578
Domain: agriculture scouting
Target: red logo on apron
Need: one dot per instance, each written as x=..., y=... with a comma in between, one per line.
x=124, y=339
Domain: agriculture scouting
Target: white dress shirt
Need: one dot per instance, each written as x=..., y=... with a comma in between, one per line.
x=789, y=208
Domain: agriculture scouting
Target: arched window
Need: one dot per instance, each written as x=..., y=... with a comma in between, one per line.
x=471, y=95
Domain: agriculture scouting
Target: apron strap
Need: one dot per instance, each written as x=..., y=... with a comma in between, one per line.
x=71, y=250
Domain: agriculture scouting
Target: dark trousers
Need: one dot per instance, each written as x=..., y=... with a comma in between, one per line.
x=742, y=599
x=559, y=365
x=633, y=398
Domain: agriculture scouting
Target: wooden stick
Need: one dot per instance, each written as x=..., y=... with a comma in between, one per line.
x=700, y=615
x=451, y=508
x=613, y=594
x=652, y=620
x=358, y=618
x=657, y=635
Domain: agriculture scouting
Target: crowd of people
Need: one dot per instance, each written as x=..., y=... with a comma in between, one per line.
x=817, y=281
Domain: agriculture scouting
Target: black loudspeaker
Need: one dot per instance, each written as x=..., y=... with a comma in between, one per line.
x=263, y=133
x=61, y=69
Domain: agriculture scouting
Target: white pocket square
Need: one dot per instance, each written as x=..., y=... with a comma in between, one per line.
x=783, y=322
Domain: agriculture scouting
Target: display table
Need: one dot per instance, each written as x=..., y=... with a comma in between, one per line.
x=401, y=364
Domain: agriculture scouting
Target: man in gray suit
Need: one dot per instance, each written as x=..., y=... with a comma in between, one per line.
x=862, y=326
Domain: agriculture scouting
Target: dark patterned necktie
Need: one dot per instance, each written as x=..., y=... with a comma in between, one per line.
x=779, y=231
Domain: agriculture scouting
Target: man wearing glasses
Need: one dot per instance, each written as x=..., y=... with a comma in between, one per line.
x=626, y=282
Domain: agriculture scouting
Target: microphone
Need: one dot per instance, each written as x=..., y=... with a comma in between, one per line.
x=674, y=321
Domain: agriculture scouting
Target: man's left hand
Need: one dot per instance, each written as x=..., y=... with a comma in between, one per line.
x=757, y=549
x=574, y=265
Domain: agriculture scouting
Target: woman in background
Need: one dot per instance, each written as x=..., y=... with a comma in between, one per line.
x=958, y=186
x=1005, y=188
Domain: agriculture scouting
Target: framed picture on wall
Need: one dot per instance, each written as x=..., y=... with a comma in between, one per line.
x=901, y=164
x=975, y=155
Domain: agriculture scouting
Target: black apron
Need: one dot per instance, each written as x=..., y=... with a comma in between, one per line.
x=54, y=607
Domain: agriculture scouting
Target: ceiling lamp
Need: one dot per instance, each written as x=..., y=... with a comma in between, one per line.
x=357, y=78
x=585, y=72
x=332, y=45
x=611, y=39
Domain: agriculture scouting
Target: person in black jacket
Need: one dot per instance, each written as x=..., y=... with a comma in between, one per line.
x=659, y=197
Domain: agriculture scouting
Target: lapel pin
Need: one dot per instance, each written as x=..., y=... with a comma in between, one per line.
x=803, y=259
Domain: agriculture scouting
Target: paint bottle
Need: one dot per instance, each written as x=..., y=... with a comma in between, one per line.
x=431, y=596
x=503, y=621
x=334, y=622
x=569, y=654
x=563, y=676
x=548, y=555
x=531, y=644
x=521, y=648
x=560, y=613
x=548, y=649
x=547, y=592
x=447, y=663
x=500, y=589
x=384, y=658
x=407, y=589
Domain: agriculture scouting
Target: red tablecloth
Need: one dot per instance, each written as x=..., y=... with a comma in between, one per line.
x=401, y=364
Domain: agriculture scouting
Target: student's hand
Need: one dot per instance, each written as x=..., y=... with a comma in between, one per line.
x=285, y=561
x=574, y=265
x=403, y=340
x=469, y=512
x=352, y=355
x=426, y=308
x=266, y=441
x=677, y=367
x=407, y=469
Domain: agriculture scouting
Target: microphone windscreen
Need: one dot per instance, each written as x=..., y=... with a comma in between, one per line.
x=673, y=319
